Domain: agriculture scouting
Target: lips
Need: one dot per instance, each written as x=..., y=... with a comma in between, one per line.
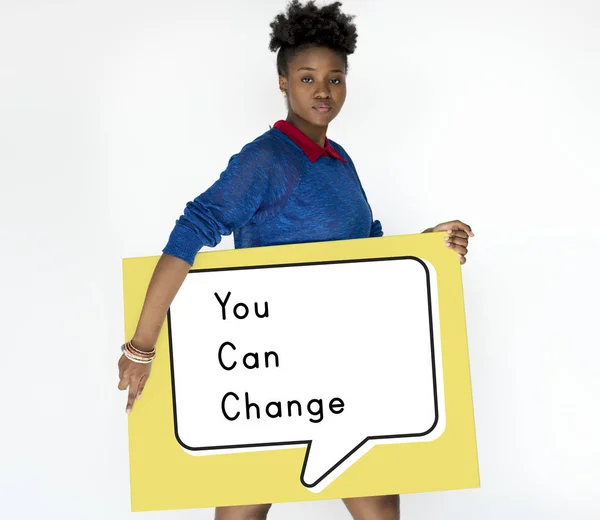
x=322, y=107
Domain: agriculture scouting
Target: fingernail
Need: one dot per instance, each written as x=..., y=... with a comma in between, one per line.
x=447, y=244
x=446, y=238
x=128, y=410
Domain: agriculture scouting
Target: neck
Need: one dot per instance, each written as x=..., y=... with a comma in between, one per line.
x=315, y=133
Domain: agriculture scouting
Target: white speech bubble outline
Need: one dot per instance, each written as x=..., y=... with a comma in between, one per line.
x=359, y=449
x=328, y=472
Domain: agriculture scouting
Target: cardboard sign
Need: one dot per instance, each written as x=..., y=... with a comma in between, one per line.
x=305, y=372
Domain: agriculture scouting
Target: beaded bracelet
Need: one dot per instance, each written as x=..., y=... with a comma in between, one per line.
x=136, y=355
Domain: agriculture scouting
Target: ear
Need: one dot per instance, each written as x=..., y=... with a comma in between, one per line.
x=282, y=83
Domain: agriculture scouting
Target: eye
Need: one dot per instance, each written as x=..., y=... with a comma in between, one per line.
x=336, y=81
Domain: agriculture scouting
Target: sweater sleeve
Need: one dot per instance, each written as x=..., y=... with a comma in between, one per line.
x=227, y=205
x=376, y=229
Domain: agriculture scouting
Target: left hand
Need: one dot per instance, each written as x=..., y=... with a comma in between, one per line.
x=458, y=236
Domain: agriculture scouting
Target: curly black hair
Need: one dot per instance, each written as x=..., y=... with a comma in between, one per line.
x=307, y=26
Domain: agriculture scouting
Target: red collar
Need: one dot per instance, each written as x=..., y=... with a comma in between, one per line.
x=312, y=150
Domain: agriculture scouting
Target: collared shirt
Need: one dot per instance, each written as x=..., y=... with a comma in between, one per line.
x=312, y=150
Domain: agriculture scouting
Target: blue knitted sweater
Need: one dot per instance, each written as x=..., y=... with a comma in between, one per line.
x=271, y=193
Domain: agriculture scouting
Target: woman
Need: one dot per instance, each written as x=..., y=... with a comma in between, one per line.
x=289, y=185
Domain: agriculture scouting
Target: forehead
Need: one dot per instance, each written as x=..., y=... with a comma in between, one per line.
x=317, y=58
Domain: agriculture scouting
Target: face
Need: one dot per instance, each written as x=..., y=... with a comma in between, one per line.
x=315, y=85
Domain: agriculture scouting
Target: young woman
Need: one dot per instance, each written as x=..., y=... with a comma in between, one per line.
x=289, y=185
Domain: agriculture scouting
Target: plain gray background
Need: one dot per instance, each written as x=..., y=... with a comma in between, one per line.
x=113, y=114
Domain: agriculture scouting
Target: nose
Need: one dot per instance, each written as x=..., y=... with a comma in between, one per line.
x=322, y=89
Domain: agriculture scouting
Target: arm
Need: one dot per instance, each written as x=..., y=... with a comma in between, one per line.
x=376, y=229
x=228, y=204
x=168, y=276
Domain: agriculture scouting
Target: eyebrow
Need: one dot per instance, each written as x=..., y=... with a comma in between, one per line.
x=333, y=70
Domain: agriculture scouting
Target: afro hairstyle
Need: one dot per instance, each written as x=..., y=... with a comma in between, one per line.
x=305, y=26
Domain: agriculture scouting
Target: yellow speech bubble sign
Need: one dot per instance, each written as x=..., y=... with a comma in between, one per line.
x=305, y=372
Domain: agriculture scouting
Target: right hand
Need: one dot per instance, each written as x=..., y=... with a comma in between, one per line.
x=133, y=375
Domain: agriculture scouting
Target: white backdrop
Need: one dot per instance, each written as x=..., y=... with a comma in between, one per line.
x=114, y=114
